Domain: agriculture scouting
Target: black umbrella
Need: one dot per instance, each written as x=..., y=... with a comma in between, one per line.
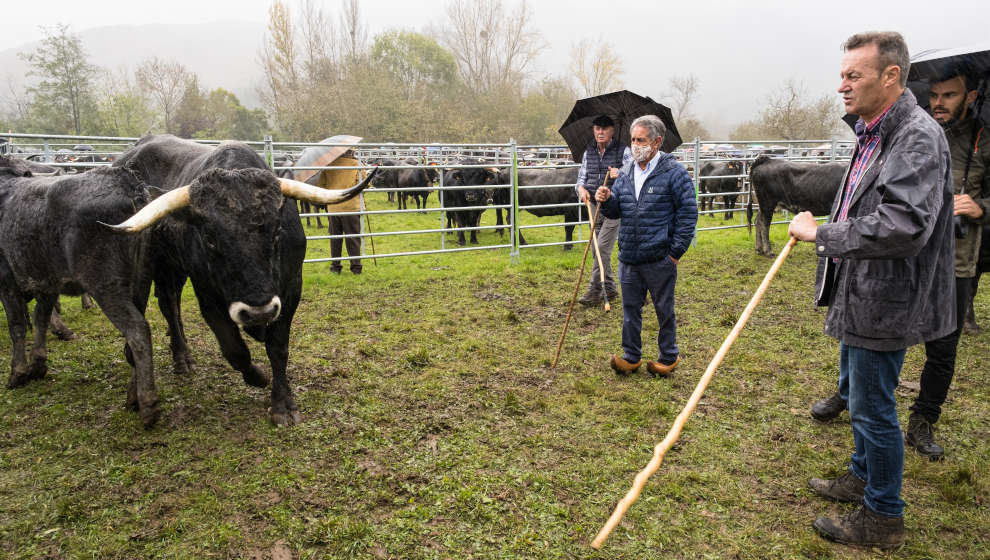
x=623, y=107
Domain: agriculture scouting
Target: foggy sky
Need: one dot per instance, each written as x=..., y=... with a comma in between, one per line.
x=740, y=51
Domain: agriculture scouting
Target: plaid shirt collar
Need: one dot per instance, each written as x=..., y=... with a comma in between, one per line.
x=864, y=131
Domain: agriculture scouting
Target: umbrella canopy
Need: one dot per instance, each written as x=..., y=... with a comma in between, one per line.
x=318, y=156
x=623, y=107
x=931, y=65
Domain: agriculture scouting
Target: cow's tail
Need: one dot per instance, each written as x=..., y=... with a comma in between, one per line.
x=749, y=209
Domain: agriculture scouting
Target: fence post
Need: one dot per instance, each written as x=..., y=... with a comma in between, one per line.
x=48, y=157
x=269, y=156
x=443, y=215
x=514, y=251
x=831, y=156
x=697, y=172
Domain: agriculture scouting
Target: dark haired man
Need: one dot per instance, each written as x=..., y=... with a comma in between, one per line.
x=886, y=272
x=603, y=156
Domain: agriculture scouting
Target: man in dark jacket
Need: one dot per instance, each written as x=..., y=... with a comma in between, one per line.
x=886, y=271
x=949, y=100
x=655, y=199
x=603, y=157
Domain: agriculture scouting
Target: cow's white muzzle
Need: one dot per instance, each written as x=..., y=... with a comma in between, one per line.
x=250, y=315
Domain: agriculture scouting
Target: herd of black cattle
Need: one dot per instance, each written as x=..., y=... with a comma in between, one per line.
x=217, y=215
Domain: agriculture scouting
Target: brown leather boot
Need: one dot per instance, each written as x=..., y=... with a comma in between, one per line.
x=623, y=367
x=661, y=370
x=846, y=488
x=863, y=527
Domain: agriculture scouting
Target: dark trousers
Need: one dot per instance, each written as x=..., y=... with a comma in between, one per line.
x=658, y=278
x=345, y=225
x=940, y=360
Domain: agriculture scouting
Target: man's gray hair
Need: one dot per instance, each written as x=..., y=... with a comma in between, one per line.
x=891, y=48
x=653, y=125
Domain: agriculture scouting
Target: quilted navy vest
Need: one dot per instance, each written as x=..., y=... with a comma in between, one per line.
x=598, y=164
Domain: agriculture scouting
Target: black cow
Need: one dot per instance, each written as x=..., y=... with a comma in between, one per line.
x=479, y=177
x=413, y=182
x=714, y=180
x=550, y=195
x=240, y=244
x=52, y=242
x=797, y=186
x=56, y=324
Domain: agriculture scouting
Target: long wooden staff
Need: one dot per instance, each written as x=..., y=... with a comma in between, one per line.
x=598, y=253
x=675, y=430
x=577, y=286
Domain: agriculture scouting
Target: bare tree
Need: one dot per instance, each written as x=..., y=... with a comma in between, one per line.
x=166, y=81
x=790, y=115
x=598, y=70
x=354, y=34
x=320, y=54
x=682, y=92
x=493, y=48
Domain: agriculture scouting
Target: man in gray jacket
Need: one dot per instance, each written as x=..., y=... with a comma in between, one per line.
x=886, y=271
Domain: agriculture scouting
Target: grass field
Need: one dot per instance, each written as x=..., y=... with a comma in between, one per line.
x=434, y=427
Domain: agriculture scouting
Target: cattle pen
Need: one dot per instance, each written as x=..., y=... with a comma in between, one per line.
x=389, y=231
x=433, y=426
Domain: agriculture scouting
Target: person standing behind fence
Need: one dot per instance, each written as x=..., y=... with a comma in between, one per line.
x=655, y=198
x=603, y=156
x=886, y=273
x=338, y=179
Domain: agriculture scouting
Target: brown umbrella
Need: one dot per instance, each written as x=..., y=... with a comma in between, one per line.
x=320, y=156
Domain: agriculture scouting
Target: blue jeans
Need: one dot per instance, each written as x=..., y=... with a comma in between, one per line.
x=867, y=379
x=658, y=278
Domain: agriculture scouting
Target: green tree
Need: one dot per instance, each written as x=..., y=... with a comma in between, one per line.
x=217, y=114
x=418, y=62
x=63, y=95
x=122, y=109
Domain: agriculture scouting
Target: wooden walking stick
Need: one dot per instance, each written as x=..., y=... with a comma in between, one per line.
x=570, y=309
x=598, y=253
x=675, y=430
x=577, y=286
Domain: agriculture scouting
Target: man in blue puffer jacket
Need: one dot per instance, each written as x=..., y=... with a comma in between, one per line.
x=656, y=201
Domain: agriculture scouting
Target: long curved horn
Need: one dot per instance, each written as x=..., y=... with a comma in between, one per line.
x=317, y=195
x=154, y=211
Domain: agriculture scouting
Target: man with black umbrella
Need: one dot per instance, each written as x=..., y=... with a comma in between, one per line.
x=603, y=156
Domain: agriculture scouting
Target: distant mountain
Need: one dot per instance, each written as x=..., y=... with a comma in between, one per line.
x=222, y=54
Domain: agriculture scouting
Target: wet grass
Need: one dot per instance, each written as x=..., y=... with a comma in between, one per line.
x=434, y=428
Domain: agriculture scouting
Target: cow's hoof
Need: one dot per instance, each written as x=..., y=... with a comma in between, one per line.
x=150, y=414
x=64, y=334
x=183, y=365
x=37, y=370
x=254, y=377
x=18, y=379
x=285, y=418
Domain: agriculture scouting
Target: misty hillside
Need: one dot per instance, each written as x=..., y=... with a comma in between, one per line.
x=223, y=54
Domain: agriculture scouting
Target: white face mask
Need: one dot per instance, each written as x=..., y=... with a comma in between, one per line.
x=642, y=153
